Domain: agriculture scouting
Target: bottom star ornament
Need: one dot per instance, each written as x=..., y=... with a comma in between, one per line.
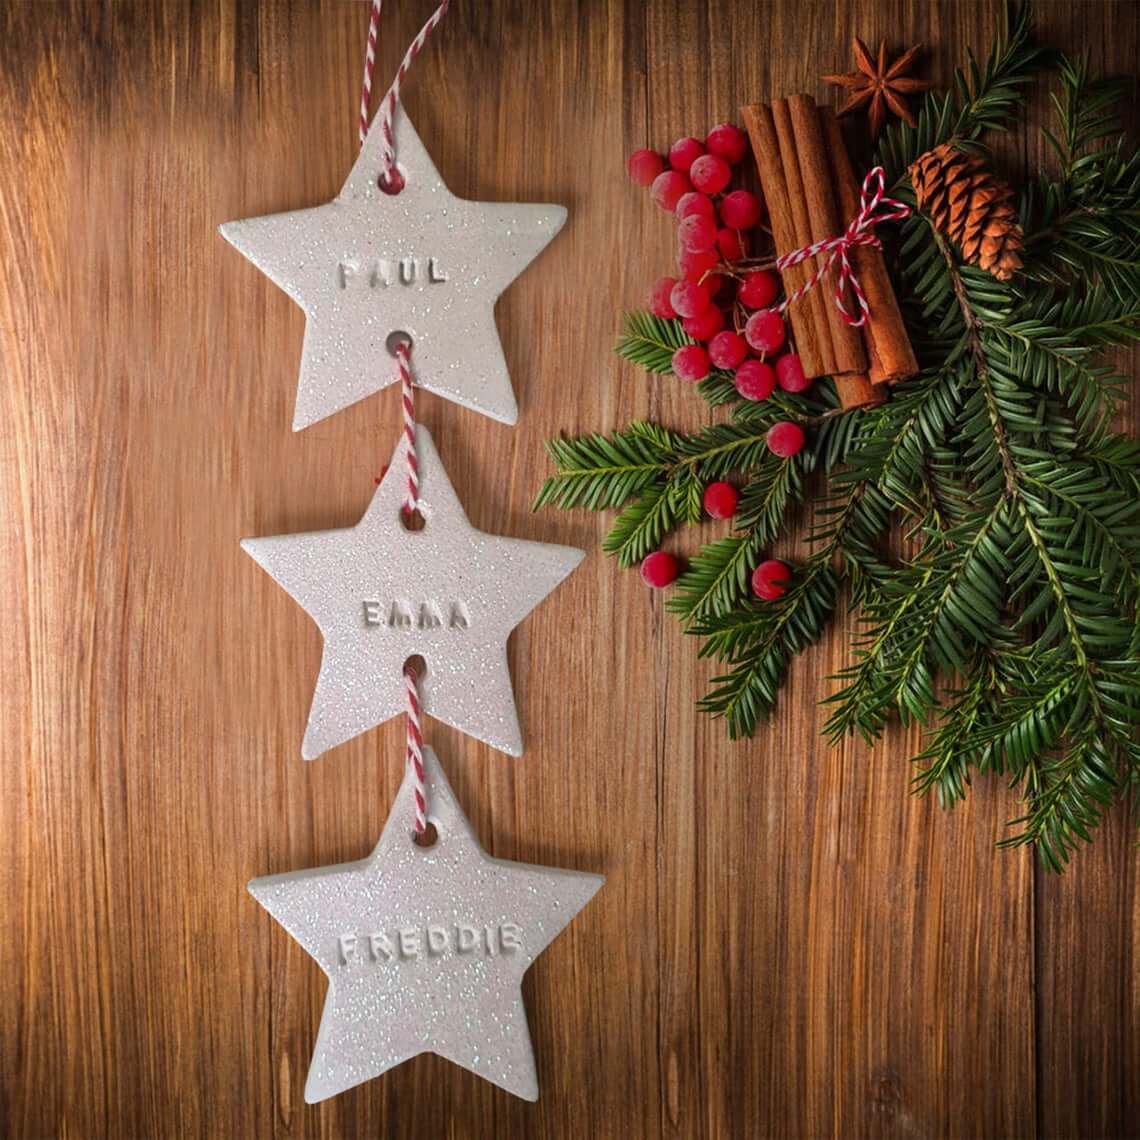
x=425, y=947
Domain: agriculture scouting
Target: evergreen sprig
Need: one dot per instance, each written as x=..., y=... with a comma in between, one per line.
x=650, y=342
x=983, y=97
x=1009, y=624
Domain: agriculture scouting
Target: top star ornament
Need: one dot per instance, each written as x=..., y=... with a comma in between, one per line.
x=421, y=262
x=381, y=593
x=425, y=947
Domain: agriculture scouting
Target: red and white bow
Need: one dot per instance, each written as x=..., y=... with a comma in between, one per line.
x=861, y=231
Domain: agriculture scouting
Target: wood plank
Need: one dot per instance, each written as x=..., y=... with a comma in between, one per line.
x=1088, y=921
x=824, y=982
x=787, y=944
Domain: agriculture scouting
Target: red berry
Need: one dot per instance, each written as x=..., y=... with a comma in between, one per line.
x=721, y=500
x=727, y=349
x=758, y=290
x=691, y=362
x=668, y=188
x=785, y=439
x=714, y=282
x=740, y=210
x=697, y=234
x=659, y=303
x=659, y=569
x=770, y=580
x=705, y=325
x=755, y=380
x=765, y=330
x=689, y=298
x=733, y=245
x=790, y=373
x=644, y=165
x=728, y=142
x=694, y=203
x=683, y=153
x=696, y=264
x=709, y=174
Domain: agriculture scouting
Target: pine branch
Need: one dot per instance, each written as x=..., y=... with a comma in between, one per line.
x=1080, y=617
x=643, y=524
x=1084, y=226
x=921, y=415
x=1007, y=615
x=990, y=97
x=866, y=699
x=717, y=578
x=1050, y=360
x=661, y=475
x=945, y=765
x=773, y=485
x=1084, y=114
x=597, y=471
x=758, y=640
x=1067, y=799
x=1049, y=553
x=720, y=449
x=718, y=389
x=650, y=341
x=984, y=98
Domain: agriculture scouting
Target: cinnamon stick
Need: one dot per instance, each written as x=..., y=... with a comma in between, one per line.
x=856, y=391
x=813, y=302
x=888, y=346
x=825, y=222
x=766, y=151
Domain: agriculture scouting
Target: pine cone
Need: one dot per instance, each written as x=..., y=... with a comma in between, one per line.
x=972, y=206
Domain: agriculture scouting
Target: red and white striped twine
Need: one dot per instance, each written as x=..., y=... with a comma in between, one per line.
x=416, y=747
x=390, y=180
x=408, y=402
x=411, y=502
x=369, y=67
x=861, y=231
x=389, y=176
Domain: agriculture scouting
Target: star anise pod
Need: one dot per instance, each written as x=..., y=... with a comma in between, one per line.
x=880, y=84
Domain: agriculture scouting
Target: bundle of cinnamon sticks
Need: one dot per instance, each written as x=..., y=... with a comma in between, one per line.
x=812, y=194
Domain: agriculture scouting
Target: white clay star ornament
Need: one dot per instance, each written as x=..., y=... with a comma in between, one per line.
x=422, y=262
x=381, y=593
x=425, y=948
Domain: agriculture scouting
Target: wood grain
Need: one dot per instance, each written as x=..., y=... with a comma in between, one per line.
x=787, y=944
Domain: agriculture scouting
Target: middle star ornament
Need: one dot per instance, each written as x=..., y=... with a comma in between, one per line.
x=381, y=593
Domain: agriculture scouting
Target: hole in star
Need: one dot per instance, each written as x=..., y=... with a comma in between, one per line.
x=415, y=665
x=392, y=181
x=412, y=520
x=426, y=838
x=395, y=339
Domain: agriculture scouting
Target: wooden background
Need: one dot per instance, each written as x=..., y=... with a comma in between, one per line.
x=787, y=945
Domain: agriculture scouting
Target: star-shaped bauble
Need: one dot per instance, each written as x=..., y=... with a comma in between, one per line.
x=421, y=262
x=381, y=593
x=425, y=947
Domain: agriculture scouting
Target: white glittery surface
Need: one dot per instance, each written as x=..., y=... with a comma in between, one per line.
x=388, y=1004
x=342, y=264
x=381, y=593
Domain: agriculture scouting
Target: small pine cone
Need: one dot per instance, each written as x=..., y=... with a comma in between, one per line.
x=971, y=206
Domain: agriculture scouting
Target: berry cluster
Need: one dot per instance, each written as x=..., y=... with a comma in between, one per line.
x=724, y=295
